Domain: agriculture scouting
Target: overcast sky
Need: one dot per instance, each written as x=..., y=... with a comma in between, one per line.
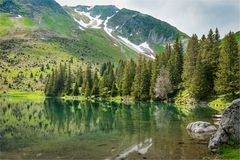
x=189, y=16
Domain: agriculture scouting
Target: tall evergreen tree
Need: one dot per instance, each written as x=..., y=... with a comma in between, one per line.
x=119, y=75
x=87, y=90
x=198, y=88
x=210, y=58
x=145, y=83
x=128, y=77
x=175, y=64
x=87, y=86
x=136, y=86
x=69, y=80
x=60, y=80
x=227, y=80
x=95, y=88
x=114, y=91
x=190, y=60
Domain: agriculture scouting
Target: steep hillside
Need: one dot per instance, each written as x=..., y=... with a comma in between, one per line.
x=45, y=14
x=38, y=35
x=140, y=32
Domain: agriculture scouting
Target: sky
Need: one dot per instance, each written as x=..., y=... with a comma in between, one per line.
x=189, y=16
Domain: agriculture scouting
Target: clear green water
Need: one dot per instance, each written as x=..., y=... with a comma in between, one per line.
x=57, y=129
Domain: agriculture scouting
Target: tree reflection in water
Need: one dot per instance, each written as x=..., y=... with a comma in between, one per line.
x=152, y=129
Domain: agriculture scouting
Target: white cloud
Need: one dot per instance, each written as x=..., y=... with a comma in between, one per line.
x=189, y=16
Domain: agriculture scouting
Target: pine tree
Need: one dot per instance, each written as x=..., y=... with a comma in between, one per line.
x=175, y=64
x=227, y=80
x=119, y=75
x=114, y=91
x=153, y=79
x=76, y=89
x=136, y=86
x=145, y=83
x=87, y=90
x=69, y=80
x=87, y=78
x=60, y=79
x=128, y=77
x=199, y=88
x=79, y=79
x=95, y=88
x=210, y=58
x=190, y=60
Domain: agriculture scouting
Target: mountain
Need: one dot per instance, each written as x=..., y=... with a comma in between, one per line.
x=37, y=35
x=45, y=15
x=141, y=32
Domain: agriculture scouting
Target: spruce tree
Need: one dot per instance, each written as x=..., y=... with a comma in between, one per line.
x=87, y=90
x=136, y=86
x=95, y=88
x=76, y=89
x=60, y=79
x=128, y=77
x=87, y=78
x=119, y=73
x=69, y=80
x=79, y=78
x=190, y=59
x=145, y=82
x=227, y=80
x=175, y=64
x=114, y=91
x=199, y=88
x=210, y=58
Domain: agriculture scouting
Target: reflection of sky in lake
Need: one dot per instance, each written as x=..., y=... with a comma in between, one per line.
x=108, y=129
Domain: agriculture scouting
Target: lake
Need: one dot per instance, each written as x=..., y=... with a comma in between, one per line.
x=64, y=129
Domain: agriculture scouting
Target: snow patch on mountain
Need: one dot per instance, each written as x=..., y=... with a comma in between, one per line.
x=106, y=29
x=81, y=24
x=142, y=48
x=146, y=45
x=95, y=22
x=19, y=16
x=90, y=7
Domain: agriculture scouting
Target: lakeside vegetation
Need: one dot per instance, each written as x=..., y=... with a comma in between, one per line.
x=209, y=68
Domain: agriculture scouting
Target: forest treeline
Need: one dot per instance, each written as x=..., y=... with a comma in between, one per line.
x=208, y=66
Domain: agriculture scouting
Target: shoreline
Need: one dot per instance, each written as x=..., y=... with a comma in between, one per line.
x=218, y=102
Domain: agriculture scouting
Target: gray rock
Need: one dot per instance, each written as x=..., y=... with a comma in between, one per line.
x=201, y=130
x=229, y=127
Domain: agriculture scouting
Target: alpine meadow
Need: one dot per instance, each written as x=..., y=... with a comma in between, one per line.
x=102, y=81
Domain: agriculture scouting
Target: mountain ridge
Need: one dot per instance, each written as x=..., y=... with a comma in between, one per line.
x=140, y=32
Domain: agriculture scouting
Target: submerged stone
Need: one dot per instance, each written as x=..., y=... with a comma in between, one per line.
x=201, y=130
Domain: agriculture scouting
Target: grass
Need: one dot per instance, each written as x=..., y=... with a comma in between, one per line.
x=229, y=152
x=5, y=23
x=59, y=24
x=14, y=93
x=218, y=102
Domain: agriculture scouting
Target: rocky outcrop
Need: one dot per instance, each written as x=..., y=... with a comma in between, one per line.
x=201, y=130
x=229, y=127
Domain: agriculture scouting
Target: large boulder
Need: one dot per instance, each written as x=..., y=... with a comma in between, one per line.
x=229, y=127
x=201, y=130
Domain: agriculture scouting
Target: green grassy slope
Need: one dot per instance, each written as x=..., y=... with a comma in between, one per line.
x=12, y=26
x=46, y=14
x=25, y=63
